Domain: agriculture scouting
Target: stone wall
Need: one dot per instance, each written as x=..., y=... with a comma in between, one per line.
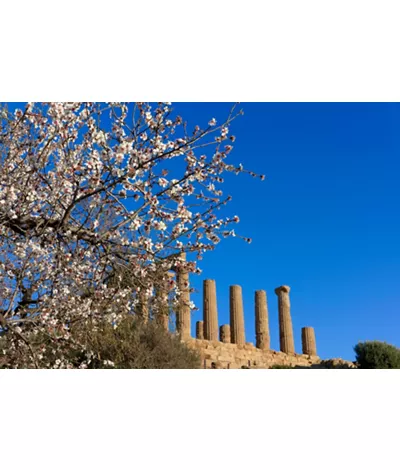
x=218, y=355
x=215, y=354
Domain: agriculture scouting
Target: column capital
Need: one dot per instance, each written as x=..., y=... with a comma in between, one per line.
x=280, y=289
x=285, y=321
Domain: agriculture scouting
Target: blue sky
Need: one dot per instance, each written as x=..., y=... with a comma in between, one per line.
x=325, y=221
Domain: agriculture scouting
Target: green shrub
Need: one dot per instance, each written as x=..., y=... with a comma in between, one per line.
x=377, y=355
x=132, y=345
x=135, y=345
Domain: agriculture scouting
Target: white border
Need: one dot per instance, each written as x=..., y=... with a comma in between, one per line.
x=199, y=419
x=289, y=50
x=199, y=51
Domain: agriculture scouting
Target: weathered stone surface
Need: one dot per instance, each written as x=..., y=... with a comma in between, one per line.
x=200, y=330
x=183, y=313
x=225, y=333
x=217, y=365
x=308, y=341
x=262, y=327
x=161, y=304
x=233, y=356
x=210, y=313
x=285, y=320
x=236, y=315
x=163, y=321
x=233, y=365
x=143, y=306
x=225, y=358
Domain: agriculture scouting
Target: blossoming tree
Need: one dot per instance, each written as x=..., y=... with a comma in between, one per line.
x=88, y=187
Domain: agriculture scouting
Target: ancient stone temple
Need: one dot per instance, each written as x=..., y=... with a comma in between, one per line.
x=225, y=346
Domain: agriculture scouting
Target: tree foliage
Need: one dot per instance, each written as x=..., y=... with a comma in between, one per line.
x=93, y=194
x=377, y=355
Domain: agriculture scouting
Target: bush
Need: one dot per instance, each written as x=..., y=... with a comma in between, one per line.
x=135, y=345
x=132, y=345
x=377, y=355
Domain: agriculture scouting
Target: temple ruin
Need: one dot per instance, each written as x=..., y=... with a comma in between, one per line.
x=232, y=350
x=225, y=346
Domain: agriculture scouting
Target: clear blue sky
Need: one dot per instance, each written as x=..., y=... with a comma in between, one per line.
x=325, y=221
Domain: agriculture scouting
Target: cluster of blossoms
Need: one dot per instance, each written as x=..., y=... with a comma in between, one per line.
x=88, y=187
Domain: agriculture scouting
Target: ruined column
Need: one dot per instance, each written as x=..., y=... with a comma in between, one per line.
x=210, y=314
x=262, y=327
x=183, y=312
x=143, y=307
x=308, y=341
x=236, y=315
x=285, y=320
x=162, y=305
x=200, y=330
x=225, y=333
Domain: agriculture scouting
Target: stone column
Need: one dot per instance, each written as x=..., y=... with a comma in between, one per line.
x=308, y=341
x=210, y=314
x=236, y=315
x=183, y=313
x=200, y=330
x=225, y=333
x=262, y=327
x=143, y=306
x=285, y=320
x=162, y=306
